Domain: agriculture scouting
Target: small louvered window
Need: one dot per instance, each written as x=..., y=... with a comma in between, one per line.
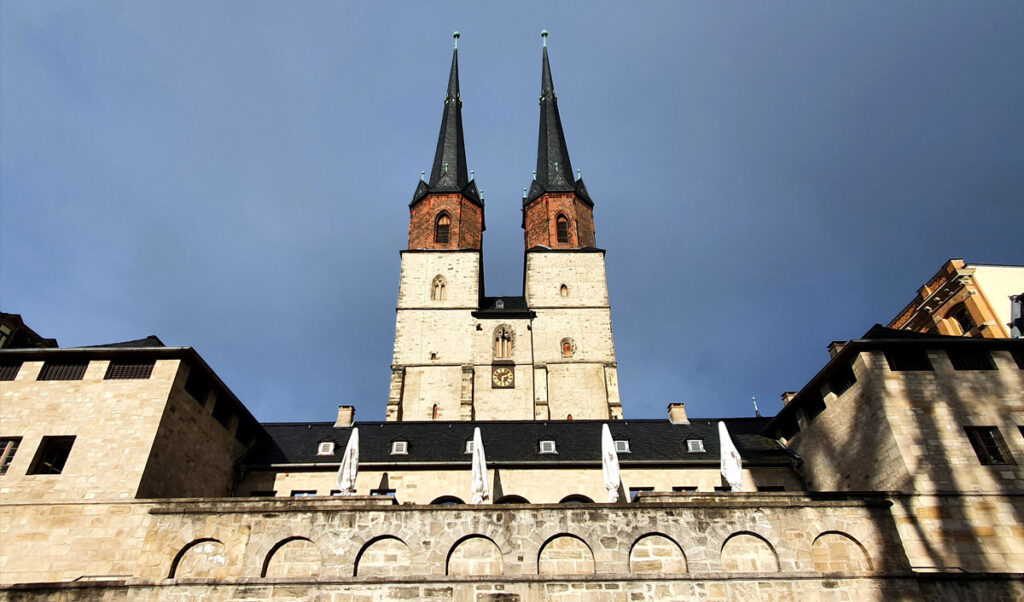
x=562, y=228
x=196, y=386
x=695, y=446
x=988, y=444
x=63, y=370
x=9, y=370
x=124, y=370
x=547, y=447
x=973, y=359
x=442, y=229
x=399, y=448
x=908, y=360
x=326, y=448
x=621, y=446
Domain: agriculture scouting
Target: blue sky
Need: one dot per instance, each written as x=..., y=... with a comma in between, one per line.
x=236, y=176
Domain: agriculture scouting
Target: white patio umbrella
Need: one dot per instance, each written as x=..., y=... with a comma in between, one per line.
x=349, y=465
x=481, y=493
x=732, y=465
x=610, y=465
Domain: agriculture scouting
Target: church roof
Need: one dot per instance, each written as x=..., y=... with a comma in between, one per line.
x=450, y=171
x=516, y=443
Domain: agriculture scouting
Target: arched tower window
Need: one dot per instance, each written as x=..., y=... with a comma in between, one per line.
x=567, y=348
x=562, y=228
x=442, y=229
x=437, y=292
x=503, y=342
x=564, y=291
x=433, y=413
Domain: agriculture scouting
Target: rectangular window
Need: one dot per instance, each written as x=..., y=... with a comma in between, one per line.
x=469, y=446
x=971, y=359
x=52, y=455
x=8, y=445
x=63, y=371
x=694, y=446
x=399, y=448
x=547, y=447
x=387, y=492
x=326, y=448
x=9, y=370
x=770, y=488
x=723, y=489
x=988, y=444
x=197, y=387
x=244, y=432
x=788, y=427
x=908, y=360
x=814, y=406
x=622, y=446
x=685, y=489
x=262, y=493
x=222, y=411
x=841, y=380
x=303, y=492
x=125, y=370
x=634, y=491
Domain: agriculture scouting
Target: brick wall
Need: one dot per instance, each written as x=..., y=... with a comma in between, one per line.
x=466, y=222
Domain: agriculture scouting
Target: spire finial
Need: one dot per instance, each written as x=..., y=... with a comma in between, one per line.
x=456, y=36
x=544, y=37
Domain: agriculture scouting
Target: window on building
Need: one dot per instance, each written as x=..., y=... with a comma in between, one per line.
x=771, y=488
x=9, y=370
x=788, y=427
x=326, y=448
x=562, y=228
x=723, y=489
x=8, y=445
x=52, y=454
x=303, y=492
x=841, y=380
x=695, y=446
x=262, y=493
x=222, y=411
x=502, y=342
x=125, y=370
x=244, y=431
x=387, y=492
x=970, y=359
x=564, y=291
x=685, y=489
x=437, y=289
x=399, y=448
x=907, y=360
x=988, y=444
x=634, y=491
x=622, y=446
x=433, y=412
x=814, y=406
x=196, y=386
x=547, y=446
x=962, y=318
x=442, y=229
x=63, y=370
x=1017, y=316
x=469, y=446
x=566, y=347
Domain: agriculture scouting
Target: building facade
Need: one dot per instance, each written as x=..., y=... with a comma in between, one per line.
x=131, y=471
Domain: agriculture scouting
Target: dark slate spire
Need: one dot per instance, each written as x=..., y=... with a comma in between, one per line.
x=450, y=172
x=554, y=170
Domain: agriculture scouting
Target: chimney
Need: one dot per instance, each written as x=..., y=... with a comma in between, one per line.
x=835, y=347
x=677, y=413
x=788, y=397
x=346, y=414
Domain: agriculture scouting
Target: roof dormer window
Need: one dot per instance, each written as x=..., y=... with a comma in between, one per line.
x=622, y=446
x=399, y=448
x=469, y=446
x=547, y=447
x=695, y=446
x=326, y=448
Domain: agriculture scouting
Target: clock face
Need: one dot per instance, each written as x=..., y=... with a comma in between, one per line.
x=503, y=378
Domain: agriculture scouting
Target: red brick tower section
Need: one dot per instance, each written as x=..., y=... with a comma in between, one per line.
x=447, y=212
x=557, y=210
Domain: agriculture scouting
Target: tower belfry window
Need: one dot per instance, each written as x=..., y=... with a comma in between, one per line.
x=437, y=292
x=562, y=228
x=502, y=343
x=442, y=229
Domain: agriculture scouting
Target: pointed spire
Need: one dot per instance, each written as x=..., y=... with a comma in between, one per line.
x=554, y=170
x=449, y=172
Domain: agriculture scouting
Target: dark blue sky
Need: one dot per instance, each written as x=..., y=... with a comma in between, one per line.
x=236, y=177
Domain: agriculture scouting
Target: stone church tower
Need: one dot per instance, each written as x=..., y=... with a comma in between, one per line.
x=461, y=355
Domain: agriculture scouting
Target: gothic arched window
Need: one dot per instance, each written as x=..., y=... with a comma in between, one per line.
x=433, y=413
x=562, y=228
x=437, y=292
x=503, y=342
x=564, y=291
x=567, y=348
x=442, y=229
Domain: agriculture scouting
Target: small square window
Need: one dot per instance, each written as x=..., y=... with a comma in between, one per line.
x=694, y=446
x=907, y=360
x=262, y=493
x=8, y=445
x=399, y=448
x=222, y=411
x=547, y=447
x=685, y=489
x=814, y=406
x=621, y=446
x=971, y=359
x=326, y=448
x=52, y=455
x=304, y=493
x=196, y=386
x=63, y=371
x=634, y=491
x=469, y=446
x=841, y=380
x=125, y=370
x=988, y=445
x=387, y=492
x=9, y=370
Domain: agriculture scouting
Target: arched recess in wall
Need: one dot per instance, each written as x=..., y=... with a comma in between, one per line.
x=474, y=555
x=564, y=291
x=438, y=288
x=442, y=228
x=292, y=557
x=512, y=499
x=383, y=556
x=576, y=498
x=747, y=552
x=446, y=500
x=656, y=554
x=562, y=228
x=503, y=340
x=837, y=552
x=200, y=558
x=565, y=554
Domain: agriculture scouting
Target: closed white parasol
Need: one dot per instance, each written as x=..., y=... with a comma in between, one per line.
x=732, y=465
x=349, y=465
x=610, y=465
x=481, y=493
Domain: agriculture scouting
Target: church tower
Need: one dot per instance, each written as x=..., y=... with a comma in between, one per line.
x=461, y=355
x=575, y=371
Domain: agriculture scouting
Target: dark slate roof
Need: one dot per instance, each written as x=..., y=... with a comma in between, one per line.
x=511, y=307
x=450, y=172
x=554, y=169
x=512, y=443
